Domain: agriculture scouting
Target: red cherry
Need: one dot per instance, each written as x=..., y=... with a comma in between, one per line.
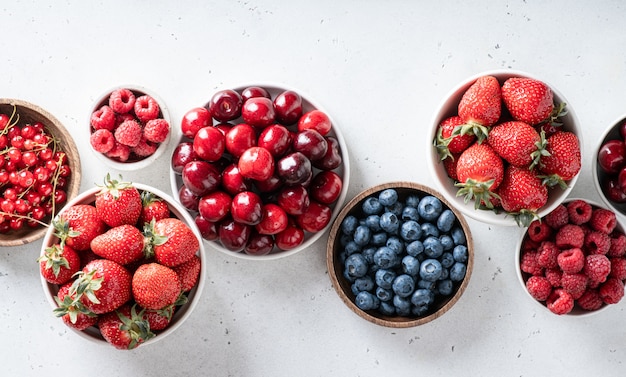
x=290, y=238
x=258, y=112
x=612, y=156
x=254, y=91
x=276, y=139
x=232, y=180
x=613, y=191
x=239, y=138
x=274, y=219
x=247, y=208
x=214, y=206
x=209, y=143
x=259, y=244
x=271, y=184
x=208, y=230
x=256, y=163
x=225, y=105
x=200, y=177
x=288, y=106
x=294, y=168
x=332, y=159
x=315, y=217
x=311, y=144
x=187, y=198
x=317, y=120
x=194, y=120
x=326, y=187
x=293, y=199
x=234, y=235
x=183, y=153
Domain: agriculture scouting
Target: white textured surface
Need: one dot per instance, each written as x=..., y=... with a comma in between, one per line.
x=380, y=68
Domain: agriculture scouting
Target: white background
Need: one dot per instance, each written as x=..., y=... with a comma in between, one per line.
x=380, y=68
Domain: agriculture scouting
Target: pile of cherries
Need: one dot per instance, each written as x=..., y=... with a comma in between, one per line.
x=611, y=161
x=259, y=173
x=34, y=174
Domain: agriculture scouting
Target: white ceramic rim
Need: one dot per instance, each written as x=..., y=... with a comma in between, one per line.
x=445, y=185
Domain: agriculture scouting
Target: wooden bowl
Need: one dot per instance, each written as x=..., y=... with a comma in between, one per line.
x=343, y=286
x=30, y=113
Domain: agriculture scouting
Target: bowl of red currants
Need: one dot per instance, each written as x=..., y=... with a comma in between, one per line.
x=262, y=168
x=399, y=255
x=497, y=132
x=609, y=166
x=129, y=127
x=573, y=261
x=39, y=170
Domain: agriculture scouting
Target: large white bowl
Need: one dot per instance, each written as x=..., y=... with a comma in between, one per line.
x=344, y=171
x=449, y=107
x=610, y=133
x=181, y=314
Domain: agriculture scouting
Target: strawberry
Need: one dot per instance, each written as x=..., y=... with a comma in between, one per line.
x=159, y=319
x=78, y=225
x=522, y=194
x=481, y=105
x=72, y=312
x=125, y=328
x=479, y=171
x=518, y=143
x=118, y=203
x=563, y=159
x=528, y=100
x=123, y=244
x=450, y=165
x=102, y=286
x=153, y=207
x=452, y=137
x=188, y=273
x=58, y=263
x=172, y=242
x=155, y=286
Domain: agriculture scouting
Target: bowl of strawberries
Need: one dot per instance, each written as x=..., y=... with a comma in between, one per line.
x=506, y=147
x=129, y=127
x=122, y=264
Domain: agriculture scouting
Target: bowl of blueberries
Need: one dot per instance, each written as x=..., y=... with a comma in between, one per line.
x=399, y=255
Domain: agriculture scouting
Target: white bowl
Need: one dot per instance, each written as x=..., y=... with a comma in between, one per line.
x=610, y=133
x=139, y=163
x=344, y=171
x=181, y=314
x=449, y=107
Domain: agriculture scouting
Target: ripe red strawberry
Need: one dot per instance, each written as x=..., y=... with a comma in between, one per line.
x=118, y=203
x=481, y=105
x=155, y=286
x=123, y=244
x=451, y=137
x=125, y=328
x=153, y=207
x=528, y=100
x=102, y=286
x=172, y=241
x=188, y=273
x=73, y=313
x=479, y=171
x=518, y=143
x=78, y=225
x=159, y=319
x=156, y=130
x=562, y=161
x=450, y=165
x=58, y=263
x=522, y=194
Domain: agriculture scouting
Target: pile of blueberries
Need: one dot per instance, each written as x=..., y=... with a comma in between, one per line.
x=403, y=256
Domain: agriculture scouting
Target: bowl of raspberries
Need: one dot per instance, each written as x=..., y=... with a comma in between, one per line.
x=609, y=166
x=573, y=261
x=506, y=147
x=122, y=264
x=399, y=255
x=129, y=127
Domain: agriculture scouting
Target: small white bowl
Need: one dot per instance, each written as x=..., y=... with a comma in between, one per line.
x=449, y=107
x=181, y=314
x=599, y=176
x=134, y=163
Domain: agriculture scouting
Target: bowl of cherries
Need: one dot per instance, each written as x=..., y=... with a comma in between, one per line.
x=262, y=168
x=609, y=166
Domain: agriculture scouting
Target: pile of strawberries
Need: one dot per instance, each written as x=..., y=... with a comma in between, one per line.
x=506, y=149
x=129, y=126
x=122, y=263
x=575, y=257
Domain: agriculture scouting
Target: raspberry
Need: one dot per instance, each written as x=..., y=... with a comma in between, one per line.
x=590, y=300
x=597, y=243
x=539, y=231
x=612, y=291
x=102, y=140
x=529, y=263
x=618, y=245
x=571, y=260
x=574, y=284
x=146, y=108
x=569, y=236
x=547, y=254
x=156, y=130
x=144, y=148
x=529, y=245
x=128, y=133
x=579, y=211
x=554, y=276
x=103, y=118
x=539, y=287
x=121, y=118
x=597, y=268
x=558, y=217
x=560, y=302
x=603, y=220
x=119, y=152
x=122, y=101
x=618, y=268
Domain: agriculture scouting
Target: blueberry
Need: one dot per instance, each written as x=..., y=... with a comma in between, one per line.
x=362, y=235
x=419, y=310
x=410, y=265
x=395, y=244
x=447, y=242
x=410, y=231
x=460, y=253
x=412, y=201
x=402, y=305
x=356, y=265
x=445, y=221
x=444, y=287
x=365, y=283
x=415, y=248
x=429, y=229
x=458, y=235
x=447, y=260
x=422, y=297
x=410, y=213
x=423, y=284
x=347, y=276
x=396, y=209
x=430, y=208
x=388, y=197
x=384, y=278
x=373, y=222
x=349, y=224
x=368, y=253
x=351, y=248
x=344, y=239
x=387, y=308
x=430, y=270
x=389, y=222
x=403, y=285
x=366, y=301
x=457, y=271
x=384, y=294
x=379, y=238
x=445, y=273
x=384, y=257
x=432, y=247
x=371, y=206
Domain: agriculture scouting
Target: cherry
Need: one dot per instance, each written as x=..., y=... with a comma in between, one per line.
x=208, y=230
x=233, y=235
x=259, y=244
x=232, y=180
x=290, y=238
x=293, y=199
x=246, y=208
x=622, y=130
x=612, y=156
x=326, y=187
x=288, y=106
x=613, y=191
x=224, y=127
x=274, y=219
x=317, y=120
x=195, y=119
x=209, y=143
x=200, y=177
x=276, y=139
x=239, y=138
x=332, y=159
x=315, y=217
x=187, y=198
x=311, y=144
x=294, y=168
x=258, y=112
x=183, y=153
x=254, y=91
x=225, y=105
x=214, y=206
x=256, y=163
x=271, y=184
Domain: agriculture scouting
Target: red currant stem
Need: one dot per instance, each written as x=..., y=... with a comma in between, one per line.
x=55, y=180
x=11, y=122
x=15, y=215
